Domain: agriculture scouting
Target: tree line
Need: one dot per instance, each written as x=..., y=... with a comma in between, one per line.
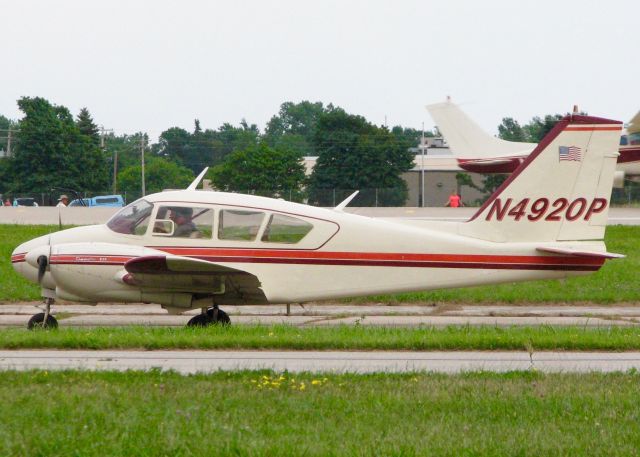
x=53, y=149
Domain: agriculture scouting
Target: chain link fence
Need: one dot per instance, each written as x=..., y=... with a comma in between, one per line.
x=629, y=196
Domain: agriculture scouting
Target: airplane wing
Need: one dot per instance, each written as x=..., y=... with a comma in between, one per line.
x=186, y=274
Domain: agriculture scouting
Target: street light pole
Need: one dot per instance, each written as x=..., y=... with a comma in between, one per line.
x=142, y=161
x=422, y=165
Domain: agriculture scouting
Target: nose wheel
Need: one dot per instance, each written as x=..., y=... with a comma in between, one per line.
x=43, y=320
x=209, y=316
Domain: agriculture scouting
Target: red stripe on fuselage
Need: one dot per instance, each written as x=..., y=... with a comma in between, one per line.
x=18, y=258
x=381, y=259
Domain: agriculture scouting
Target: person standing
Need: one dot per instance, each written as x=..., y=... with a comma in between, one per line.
x=63, y=201
x=455, y=200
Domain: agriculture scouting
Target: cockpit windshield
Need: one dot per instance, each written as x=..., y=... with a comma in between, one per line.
x=132, y=219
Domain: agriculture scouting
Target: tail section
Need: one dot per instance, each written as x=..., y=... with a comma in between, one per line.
x=467, y=140
x=560, y=192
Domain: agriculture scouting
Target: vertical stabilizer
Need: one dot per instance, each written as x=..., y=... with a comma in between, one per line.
x=560, y=192
x=467, y=140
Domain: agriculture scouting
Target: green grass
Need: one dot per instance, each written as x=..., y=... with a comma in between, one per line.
x=329, y=338
x=616, y=282
x=271, y=414
x=14, y=287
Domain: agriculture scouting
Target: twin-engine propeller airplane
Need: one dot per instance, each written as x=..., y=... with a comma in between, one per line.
x=477, y=151
x=196, y=249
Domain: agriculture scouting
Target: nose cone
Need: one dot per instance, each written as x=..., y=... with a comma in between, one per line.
x=24, y=257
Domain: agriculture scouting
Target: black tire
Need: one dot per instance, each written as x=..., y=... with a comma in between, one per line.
x=223, y=318
x=201, y=320
x=37, y=321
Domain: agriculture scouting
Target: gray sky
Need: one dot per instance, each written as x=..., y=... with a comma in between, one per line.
x=148, y=66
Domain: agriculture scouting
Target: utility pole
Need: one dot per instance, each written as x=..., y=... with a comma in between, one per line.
x=142, y=161
x=422, y=145
x=9, y=143
x=103, y=133
x=9, y=137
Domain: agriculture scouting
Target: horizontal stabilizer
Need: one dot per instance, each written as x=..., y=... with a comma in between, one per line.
x=604, y=255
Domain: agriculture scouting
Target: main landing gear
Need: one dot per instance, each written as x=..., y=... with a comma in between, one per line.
x=209, y=316
x=43, y=320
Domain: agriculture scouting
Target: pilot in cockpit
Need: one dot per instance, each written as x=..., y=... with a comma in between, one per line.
x=184, y=226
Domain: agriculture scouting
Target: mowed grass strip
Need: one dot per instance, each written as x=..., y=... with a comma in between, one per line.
x=616, y=282
x=345, y=337
x=264, y=413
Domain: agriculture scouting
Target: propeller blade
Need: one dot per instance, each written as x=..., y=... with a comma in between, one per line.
x=42, y=267
x=43, y=262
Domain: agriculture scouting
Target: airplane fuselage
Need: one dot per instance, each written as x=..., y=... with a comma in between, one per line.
x=342, y=255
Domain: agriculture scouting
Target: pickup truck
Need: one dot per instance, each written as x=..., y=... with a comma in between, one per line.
x=103, y=200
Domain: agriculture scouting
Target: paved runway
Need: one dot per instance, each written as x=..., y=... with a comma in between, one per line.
x=336, y=314
x=188, y=362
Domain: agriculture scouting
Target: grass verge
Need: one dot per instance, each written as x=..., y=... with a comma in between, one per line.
x=329, y=338
x=262, y=413
x=615, y=282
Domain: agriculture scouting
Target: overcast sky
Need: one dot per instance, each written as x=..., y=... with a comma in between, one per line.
x=151, y=65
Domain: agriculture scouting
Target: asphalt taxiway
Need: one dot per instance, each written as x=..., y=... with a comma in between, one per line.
x=74, y=315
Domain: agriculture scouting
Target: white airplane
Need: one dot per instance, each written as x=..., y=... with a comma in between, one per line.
x=477, y=151
x=198, y=249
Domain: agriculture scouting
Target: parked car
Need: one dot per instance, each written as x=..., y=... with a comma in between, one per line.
x=103, y=200
x=24, y=201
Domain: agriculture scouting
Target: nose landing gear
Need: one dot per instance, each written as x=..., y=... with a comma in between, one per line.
x=209, y=316
x=44, y=320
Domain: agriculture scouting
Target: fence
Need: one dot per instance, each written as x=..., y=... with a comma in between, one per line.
x=629, y=196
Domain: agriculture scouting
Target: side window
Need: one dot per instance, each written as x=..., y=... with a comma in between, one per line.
x=183, y=222
x=285, y=229
x=239, y=225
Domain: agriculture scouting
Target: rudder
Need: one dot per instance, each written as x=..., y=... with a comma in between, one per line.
x=560, y=192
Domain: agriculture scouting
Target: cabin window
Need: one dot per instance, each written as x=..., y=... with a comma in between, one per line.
x=132, y=219
x=183, y=222
x=239, y=224
x=285, y=229
x=634, y=138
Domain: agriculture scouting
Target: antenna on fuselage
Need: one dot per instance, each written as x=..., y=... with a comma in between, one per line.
x=346, y=201
x=196, y=181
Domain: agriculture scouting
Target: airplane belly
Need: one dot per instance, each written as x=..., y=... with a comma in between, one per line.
x=301, y=283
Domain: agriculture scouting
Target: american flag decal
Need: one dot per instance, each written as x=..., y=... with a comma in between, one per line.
x=570, y=153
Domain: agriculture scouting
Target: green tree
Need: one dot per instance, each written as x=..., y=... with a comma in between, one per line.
x=6, y=124
x=174, y=144
x=93, y=157
x=294, y=126
x=87, y=127
x=357, y=155
x=538, y=127
x=511, y=130
x=410, y=136
x=50, y=151
x=160, y=174
x=262, y=170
